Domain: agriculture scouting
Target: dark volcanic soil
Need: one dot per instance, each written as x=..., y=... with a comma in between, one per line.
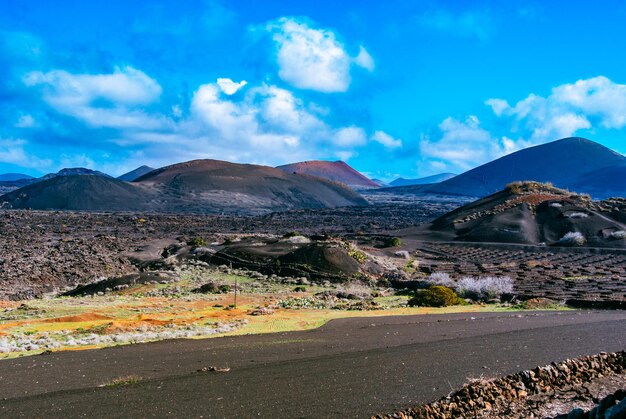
x=348, y=368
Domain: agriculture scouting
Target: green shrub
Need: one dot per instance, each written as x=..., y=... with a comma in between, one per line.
x=435, y=296
x=393, y=242
x=197, y=242
x=357, y=255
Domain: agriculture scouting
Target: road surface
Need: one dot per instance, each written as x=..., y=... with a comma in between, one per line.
x=347, y=368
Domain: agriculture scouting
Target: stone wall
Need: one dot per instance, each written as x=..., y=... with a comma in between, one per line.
x=486, y=395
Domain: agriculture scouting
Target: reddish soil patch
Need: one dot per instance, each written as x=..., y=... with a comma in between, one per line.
x=86, y=317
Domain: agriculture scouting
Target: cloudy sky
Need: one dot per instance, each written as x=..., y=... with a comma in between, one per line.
x=409, y=88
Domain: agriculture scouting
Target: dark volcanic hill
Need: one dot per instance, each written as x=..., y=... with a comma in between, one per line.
x=10, y=186
x=79, y=192
x=72, y=171
x=203, y=186
x=135, y=174
x=422, y=181
x=336, y=171
x=534, y=213
x=11, y=177
x=568, y=163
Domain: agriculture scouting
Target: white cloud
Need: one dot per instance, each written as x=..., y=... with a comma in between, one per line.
x=314, y=59
x=568, y=109
x=100, y=100
x=77, y=160
x=280, y=110
x=498, y=106
x=364, y=59
x=264, y=124
x=12, y=151
x=598, y=97
x=349, y=137
x=463, y=145
x=386, y=139
x=230, y=87
x=25, y=121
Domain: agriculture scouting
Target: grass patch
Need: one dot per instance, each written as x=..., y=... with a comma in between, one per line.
x=123, y=381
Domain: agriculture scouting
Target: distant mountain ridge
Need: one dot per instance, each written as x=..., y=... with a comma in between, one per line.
x=202, y=186
x=336, y=171
x=11, y=185
x=12, y=177
x=72, y=171
x=572, y=163
x=422, y=181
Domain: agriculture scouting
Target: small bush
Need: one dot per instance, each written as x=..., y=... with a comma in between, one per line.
x=291, y=234
x=573, y=238
x=485, y=288
x=618, y=235
x=357, y=255
x=197, y=242
x=441, y=278
x=393, y=242
x=299, y=289
x=224, y=288
x=435, y=296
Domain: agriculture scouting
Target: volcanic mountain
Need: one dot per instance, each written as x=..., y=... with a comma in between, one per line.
x=135, y=174
x=203, y=186
x=72, y=171
x=422, y=181
x=535, y=213
x=574, y=163
x=9, y=186
x=336, y=171
x=79, y=192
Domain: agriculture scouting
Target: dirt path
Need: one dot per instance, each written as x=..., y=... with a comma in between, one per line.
x=348, y=368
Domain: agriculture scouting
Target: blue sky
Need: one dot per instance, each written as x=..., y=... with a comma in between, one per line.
x=398, y=88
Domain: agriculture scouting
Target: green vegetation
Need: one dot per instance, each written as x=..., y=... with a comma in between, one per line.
x=411, y=266
x=197, y=242
x=357, y=255
x=393, y=242
x=435, y=296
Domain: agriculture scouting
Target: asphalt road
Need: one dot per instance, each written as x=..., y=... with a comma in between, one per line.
x=348, y=368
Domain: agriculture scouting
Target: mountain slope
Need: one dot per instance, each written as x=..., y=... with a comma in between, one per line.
x=422, y=181
x=11, y=177
x=561, y=162
x=336, y=171
x=234, y=186
x=203, y=186
x=135, y=174
x=80, y=192
x=605, y=182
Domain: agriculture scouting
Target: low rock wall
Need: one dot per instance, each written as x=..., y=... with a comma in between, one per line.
x=486, y=395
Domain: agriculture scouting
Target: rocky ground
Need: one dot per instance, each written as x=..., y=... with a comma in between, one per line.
x=575, y=400
x=41, y=251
